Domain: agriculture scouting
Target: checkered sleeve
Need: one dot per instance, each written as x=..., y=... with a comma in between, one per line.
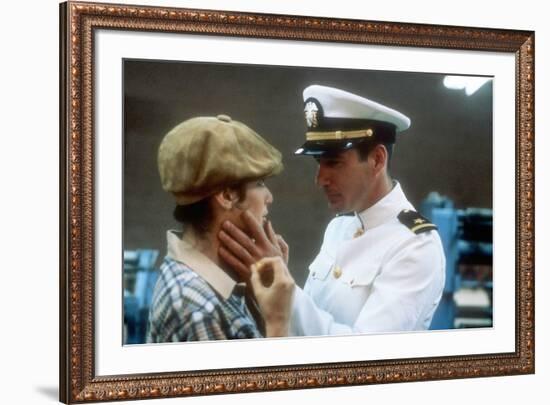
x=201, y=326
x=185, y=308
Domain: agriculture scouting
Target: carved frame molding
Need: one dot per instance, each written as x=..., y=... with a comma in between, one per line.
x=78, y=382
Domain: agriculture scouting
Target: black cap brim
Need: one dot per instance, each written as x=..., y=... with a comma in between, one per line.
x=319, y=148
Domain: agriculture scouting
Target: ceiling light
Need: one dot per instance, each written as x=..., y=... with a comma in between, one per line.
x=469, y=84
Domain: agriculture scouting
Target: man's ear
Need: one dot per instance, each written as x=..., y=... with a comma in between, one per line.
x=380, y=157
x=226, y=198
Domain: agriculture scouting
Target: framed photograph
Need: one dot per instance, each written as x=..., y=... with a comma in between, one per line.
x=131, y=74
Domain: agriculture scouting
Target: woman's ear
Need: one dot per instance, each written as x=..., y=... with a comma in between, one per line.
x=226, y=198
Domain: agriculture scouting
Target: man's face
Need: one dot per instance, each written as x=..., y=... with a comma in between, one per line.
x=346, y=180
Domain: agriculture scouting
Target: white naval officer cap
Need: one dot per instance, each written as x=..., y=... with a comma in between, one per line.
x=339, y=120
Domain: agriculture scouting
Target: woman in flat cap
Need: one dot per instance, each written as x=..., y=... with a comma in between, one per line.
x=215, y=168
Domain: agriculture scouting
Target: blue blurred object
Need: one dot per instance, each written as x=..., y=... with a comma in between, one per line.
x=140, y=276
x=467, y=237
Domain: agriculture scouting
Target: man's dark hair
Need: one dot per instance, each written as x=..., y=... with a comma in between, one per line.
x=199, y=214
x=364, y=148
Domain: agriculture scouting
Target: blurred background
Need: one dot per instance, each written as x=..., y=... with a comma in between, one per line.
x=443, y=162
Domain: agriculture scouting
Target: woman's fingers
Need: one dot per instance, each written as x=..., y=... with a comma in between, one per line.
x=274, y=297
x=255, y=280
x=271, y=271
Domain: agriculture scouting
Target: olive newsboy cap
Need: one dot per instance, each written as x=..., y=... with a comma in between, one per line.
x=203, y=155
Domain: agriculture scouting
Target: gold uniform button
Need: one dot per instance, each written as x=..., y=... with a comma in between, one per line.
x=337, y=272
x=358, y=233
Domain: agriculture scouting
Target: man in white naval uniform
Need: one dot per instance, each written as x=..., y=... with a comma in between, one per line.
x=372, y=274
x=380, y=268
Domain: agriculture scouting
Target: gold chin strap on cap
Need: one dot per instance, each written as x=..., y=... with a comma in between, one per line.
x=336, y=135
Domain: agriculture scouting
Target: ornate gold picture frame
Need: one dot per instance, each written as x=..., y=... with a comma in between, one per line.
x=79, y=184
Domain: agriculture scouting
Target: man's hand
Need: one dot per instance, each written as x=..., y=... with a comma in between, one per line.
x=273, y=288
x=241, y=251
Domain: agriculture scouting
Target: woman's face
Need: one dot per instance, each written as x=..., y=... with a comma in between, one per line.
x=257, y=199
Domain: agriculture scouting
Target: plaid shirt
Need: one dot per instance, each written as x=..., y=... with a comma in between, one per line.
x=202, y=303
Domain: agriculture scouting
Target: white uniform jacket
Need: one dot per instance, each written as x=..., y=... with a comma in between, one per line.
x=373, y=274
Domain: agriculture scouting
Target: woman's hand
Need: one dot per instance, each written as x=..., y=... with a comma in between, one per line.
x=273, y=288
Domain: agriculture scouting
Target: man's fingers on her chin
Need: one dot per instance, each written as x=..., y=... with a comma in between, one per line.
x=241, y=247
x=270, y=232
x=234, y=262
x=231, y=229
x=228, y=257
x=251, y=223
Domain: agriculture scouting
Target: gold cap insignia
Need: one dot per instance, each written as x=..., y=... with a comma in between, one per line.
x=310, y=111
